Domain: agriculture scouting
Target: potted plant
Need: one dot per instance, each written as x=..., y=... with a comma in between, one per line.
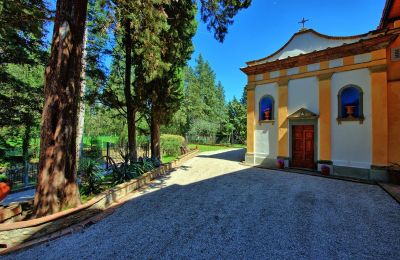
x=350, y=111
x=267, y=114
x=281, y=164
x=5, y=186
x=325, y=170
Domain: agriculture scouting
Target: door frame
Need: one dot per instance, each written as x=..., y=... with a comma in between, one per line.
x=313, y=122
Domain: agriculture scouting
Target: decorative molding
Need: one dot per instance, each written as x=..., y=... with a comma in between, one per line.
x=303, y=114
x=272, y=122
x=325, y=76
x=359, y=119
x=283, y=81
x=378, y=68
x=360, y=47
x=304, y=32
x=250, y=87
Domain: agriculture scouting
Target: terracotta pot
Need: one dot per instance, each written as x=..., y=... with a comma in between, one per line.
x=4, y=190
x=267, y=114
x=281, y=164
x=325, y=171
x=350, y=111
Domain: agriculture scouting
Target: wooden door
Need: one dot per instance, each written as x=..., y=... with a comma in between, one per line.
x=303, y=146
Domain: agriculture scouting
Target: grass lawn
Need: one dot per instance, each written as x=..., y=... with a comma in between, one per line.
x=209, y=148
x=167, y=159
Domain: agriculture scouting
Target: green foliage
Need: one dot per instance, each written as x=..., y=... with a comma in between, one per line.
x=95, y=150
x=127, y=171
x=22, y=31
x=156, y=162
x=3, y=178
x=171, y=144
x=218, y=14
x=90, y=175
x=237, y=117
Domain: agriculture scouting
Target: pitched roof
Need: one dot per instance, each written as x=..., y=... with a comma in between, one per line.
x=390, y=13
x=308, y=41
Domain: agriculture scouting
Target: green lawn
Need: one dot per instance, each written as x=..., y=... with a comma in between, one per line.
x=167, y=159
x=209, y=148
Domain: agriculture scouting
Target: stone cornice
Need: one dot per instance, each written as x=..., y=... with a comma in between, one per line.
x=325, y=76
x=360, y=47
x=321, y=74
x=378, y=68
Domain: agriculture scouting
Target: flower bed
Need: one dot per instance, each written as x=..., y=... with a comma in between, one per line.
x=14, y=234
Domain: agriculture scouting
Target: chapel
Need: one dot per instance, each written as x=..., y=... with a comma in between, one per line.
x=328, y=101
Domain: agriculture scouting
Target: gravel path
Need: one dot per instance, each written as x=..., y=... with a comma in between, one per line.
x=213, y=207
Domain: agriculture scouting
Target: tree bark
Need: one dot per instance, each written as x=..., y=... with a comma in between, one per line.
x=57, y=187
x=81, y=106
x=130, y=108
x=155, y=135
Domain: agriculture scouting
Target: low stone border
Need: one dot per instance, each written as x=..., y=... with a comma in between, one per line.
x=392, y=189
x=314, y=173
x=14, y=234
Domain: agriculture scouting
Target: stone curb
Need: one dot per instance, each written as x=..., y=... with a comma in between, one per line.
x=392, y=190
x=14, y=236
x=315, y=174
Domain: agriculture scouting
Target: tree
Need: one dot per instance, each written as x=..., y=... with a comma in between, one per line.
x=166, y=92
x=57, y=187
x=237, y=116
x=218, y=14
x=22, y=56
x=205, y=101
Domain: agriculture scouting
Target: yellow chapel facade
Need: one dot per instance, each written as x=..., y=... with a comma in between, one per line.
x=328, y=101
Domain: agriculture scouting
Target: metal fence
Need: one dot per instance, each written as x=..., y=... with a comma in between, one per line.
x=23, y=176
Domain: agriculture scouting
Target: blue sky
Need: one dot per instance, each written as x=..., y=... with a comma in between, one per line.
x=268, y=24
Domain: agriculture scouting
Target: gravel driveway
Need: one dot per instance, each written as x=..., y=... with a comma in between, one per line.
x=213, y=207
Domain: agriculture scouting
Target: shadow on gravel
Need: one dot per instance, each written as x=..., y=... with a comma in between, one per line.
x=251, y=213
x=233, y=155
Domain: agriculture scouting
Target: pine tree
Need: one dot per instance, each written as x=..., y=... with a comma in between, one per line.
x=57, y=187
x=22, y=58
x=166, y=92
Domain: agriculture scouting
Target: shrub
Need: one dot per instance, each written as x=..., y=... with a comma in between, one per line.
x=3, y=178
x=95, y=151
x=89, y=173
x=126, y=172
x=171, y=144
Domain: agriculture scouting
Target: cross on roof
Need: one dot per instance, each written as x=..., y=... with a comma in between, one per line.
x=303, y=21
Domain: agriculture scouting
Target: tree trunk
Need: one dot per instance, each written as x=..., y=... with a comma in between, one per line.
x=57, y=187
x=25, y=141
x=130, y=109
x=81, y=106
x=155, y=135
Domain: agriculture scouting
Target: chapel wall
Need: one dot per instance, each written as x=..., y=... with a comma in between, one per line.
x=351, y=142
x=393, y=105
x=266, y=134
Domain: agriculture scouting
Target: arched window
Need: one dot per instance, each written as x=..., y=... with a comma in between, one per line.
x=266, y=108
x=350, y=104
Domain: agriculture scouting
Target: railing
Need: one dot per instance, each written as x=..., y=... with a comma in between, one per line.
x=23, y=176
